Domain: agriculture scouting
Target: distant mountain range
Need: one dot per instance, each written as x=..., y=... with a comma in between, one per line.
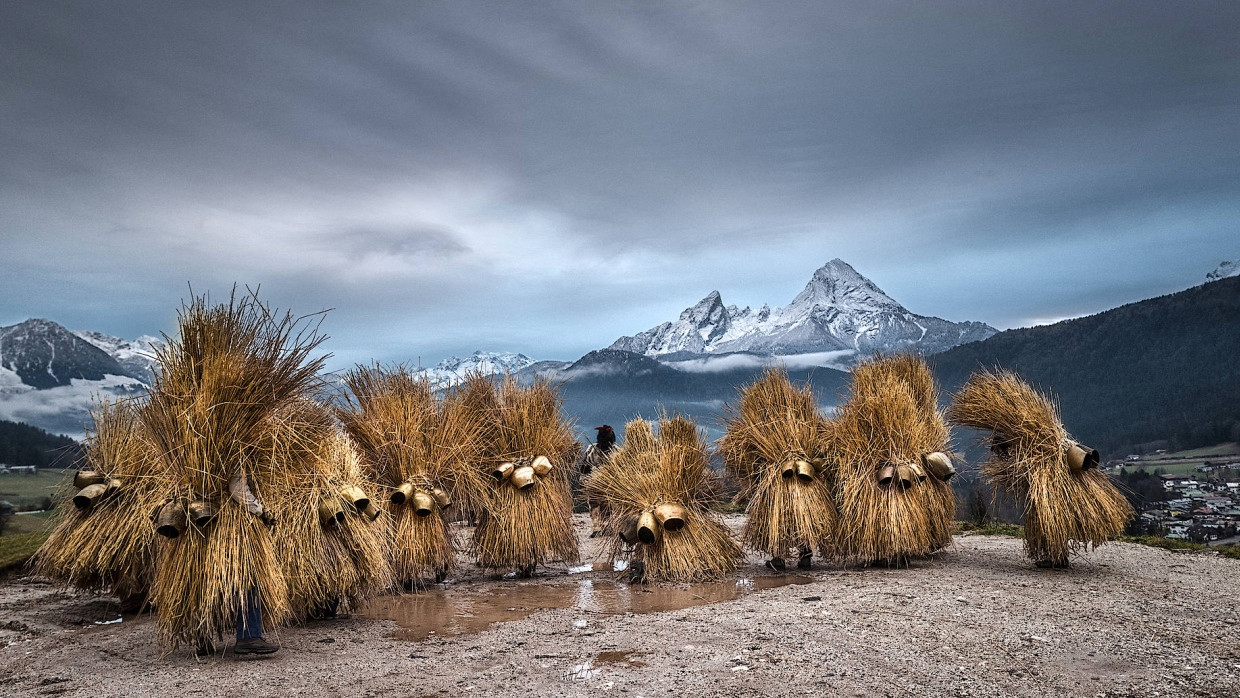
x=49, y=376
x=840, y=316
x=695, y=364
x=839, y=310
x=1164, y=368
x=136, y=357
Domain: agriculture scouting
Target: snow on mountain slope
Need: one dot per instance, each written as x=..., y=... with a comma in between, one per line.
x=1224, y=270
x=44, y=354
x=838, y=310
x=50, y=377
x=453, y=369
x=137, y=357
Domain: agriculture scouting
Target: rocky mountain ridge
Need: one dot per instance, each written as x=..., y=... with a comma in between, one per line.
x=838, y=310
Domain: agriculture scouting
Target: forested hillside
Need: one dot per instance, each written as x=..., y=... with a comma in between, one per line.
x=1167, y=368
x=22, y=444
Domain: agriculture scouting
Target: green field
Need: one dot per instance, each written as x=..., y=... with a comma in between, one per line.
x=29, y=490
x=16, y=549
x=1173, y=468
x=22, y=536
x=29, y=523
x=1186, y=462
x=1224, y=449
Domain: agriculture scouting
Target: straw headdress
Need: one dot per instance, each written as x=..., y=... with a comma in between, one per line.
x=220, y=382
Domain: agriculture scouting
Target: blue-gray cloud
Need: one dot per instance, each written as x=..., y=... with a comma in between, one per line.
x=545, y=177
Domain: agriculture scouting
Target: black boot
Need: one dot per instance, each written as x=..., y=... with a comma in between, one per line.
x=806, y=561
x=776, y=564
x=255, y=645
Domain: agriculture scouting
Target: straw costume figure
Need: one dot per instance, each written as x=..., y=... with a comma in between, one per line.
x=423, y=452
x=1068, y=503
x=527, y=517
x=658, y=493
x=332, y=543
x=105, y=539
x=220, y=383
x=775, y=446
x=890, y=443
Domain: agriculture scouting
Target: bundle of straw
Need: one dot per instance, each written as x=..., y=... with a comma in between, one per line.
x=1065, y=507
x=326, y=560
x=423, y=451
x=220, y=381
x=775, y=445
x=111, y=544
x=658, y=493
x=527, y=516
x=891, y=507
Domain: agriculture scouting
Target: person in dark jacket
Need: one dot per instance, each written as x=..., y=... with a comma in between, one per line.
x=596, y=455
x=606, y=438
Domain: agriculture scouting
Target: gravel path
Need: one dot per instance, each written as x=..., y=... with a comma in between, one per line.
x=978, y=620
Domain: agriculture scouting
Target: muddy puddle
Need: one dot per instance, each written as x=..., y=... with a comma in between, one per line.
x=464, y=611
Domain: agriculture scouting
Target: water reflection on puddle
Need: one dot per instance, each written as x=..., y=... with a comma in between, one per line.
x=449, y=612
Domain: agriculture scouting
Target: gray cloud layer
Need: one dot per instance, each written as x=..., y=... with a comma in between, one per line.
x=545, y=177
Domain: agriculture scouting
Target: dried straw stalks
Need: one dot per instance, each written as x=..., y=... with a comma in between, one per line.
x=649, y=478
x=774, y=430
x=888, y=427
x=416, y=446
x=110, y=545
x=1066, y=507
x=221, y=380
x=521, y=527
x=340, y=559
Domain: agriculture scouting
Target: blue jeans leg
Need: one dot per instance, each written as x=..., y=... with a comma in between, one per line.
x=250, y=619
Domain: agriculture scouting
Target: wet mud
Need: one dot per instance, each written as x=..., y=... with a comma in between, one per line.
x=449, y=612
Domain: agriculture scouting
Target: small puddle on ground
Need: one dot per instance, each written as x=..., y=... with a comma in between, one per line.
x=616, y=658
x=450, y=612
x=620, y=658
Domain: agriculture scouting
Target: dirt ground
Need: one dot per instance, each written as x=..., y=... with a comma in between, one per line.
x=977, y=620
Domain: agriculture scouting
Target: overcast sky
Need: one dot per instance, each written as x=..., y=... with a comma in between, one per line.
x=545, y=177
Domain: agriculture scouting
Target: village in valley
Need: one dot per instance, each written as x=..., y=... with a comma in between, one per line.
x=1199, y=501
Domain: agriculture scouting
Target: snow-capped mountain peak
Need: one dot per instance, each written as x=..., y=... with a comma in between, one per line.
x=838, y=310
x=136, y=356
x=46, y=355
x=709, y=309
x=453, y=369
x=837, y=284
x=1224, y=270
x=49, y=376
